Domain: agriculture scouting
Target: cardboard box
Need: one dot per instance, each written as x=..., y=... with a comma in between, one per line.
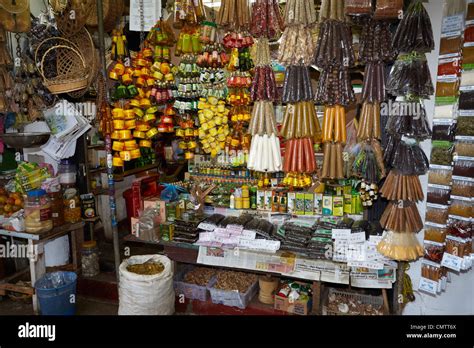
x=309, y=204
x=338, y=206
x=299, y=203
x=157, y=203
x=134, y=222
x=327, y=205
x=291, y=201
x=296, y=307
x=268, y=199
x=318, y=203
x=348, y=204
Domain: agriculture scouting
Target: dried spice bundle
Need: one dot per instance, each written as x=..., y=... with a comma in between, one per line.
x=400, y=246
x=333, y=164
x=299, y=156
x=369, y=122
x=332, y=9
x=414, y=32
x=408, y=158
x=334, y=47
x=300, y=12
x=375, y=43
x=374, y=83
x=410, y=75
x=335, y=87
x=402, y=217
x=368, y=164
x=334, y=124
x=266, y=19
x=234, y=14
x=264, y=84
x=297, y=45
x=301, y=121
x=265, y=154
x=402, y=187
x=263, y=119
x=409, y=119
x=297, y=86
x=358, y=7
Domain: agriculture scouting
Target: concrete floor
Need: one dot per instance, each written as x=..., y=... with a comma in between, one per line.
x=85, y=306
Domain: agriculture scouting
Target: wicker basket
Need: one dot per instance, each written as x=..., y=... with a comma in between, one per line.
x=17, y=6
x=72, y=72
x=81, y=9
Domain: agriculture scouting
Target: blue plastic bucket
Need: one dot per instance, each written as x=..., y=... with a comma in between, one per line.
x=56, y=293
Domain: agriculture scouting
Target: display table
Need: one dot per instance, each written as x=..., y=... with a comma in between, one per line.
x=36, y=256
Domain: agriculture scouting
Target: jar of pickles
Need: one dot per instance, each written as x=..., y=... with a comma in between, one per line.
x=72, y=206
x=37, y=212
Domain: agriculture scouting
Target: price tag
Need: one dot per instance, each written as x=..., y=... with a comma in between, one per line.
x=358, y=237
x=428, y=285
x=341, y=233
x=452, y=262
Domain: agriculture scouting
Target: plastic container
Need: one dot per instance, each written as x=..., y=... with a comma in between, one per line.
x=463, y=187
x=72, y=206
x=440, y=175
x=90, y=259
x=464, y=166
x=464, y=148
x=438, y=194
x=234, y=298
x=435, y=232
x=436, y=213
x=37, y=212
x=55, y=291
x=57, y=208
x=67, y=173
x=461, y=206
x=192, y=291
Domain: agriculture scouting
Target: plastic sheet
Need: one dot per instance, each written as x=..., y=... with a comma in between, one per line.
x=409, y=159
x=405, y=123
x=414, y=32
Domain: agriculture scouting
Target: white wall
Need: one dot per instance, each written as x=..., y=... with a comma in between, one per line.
x=458, y=298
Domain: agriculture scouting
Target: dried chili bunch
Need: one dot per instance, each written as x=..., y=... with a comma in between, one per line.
x=335, y=87
x=414, y=32
x=297, y=85
x=266, y=19
x=410, y=76
x=263, y=84
x=406, y=156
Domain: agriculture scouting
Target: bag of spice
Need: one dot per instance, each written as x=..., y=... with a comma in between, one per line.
x=468, y=57
x=449, y=66
x=467, y=78
x=435, y=232
x=445, y=111
x=430, y=271
x=441, y=152
x=444, y=129
x=464, y=148
x=466, y=100
x=462, y=187
x=388, y=9
x=433, y=251
x=464, y=166
x=450, y=44
x=461, y=206
x=358, y=7
x=470, y=10
x=447, y=87
x=438, y=194
x=436, y=213
x=410, y=75
x=465, y=126
x=440, y=175
x=469, y=34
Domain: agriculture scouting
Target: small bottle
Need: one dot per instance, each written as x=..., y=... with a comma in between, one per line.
x=232, y=200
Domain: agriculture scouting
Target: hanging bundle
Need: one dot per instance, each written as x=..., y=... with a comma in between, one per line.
x=369, y=122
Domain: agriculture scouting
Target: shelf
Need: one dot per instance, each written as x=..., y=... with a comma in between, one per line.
x=97, y=146
x=119, y=177
x=100, y=191
x=97, y=170
x=94, y=219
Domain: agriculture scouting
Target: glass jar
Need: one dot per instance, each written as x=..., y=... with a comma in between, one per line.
x=90, y=259
x=67, y=173
x=72, y=206
x=57, y=208
x=37, y=212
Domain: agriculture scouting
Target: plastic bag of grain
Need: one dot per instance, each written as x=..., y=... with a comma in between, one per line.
x=146, y=294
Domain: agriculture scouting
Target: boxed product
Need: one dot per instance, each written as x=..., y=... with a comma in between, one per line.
x=135, y=225
x=299, y=203
x=318, y=203
x=294, y=297
x=327, y=205
x=291, y=202
x=338, y=205
x=309, y=204
x=156, y=203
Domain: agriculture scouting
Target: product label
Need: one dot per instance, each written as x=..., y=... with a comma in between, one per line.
x=464, y=137
x=358, y=237
x=428, y=285
x=341, y=233
x=452, y=262
x=453, y=24
x=45, y=214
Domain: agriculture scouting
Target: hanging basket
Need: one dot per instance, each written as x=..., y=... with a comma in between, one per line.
x=74, y=17
x=58, y=6
x=71, y=73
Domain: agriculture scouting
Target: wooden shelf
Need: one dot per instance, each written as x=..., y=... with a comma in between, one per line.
x=97, y=146
x=100, y=191
x=135, y=171
x=96, y=170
